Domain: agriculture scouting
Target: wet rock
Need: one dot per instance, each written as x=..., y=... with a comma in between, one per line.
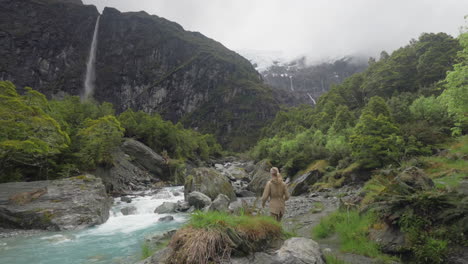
x=157, y=239
x=166, y=208
x=221, y=203
x=297, y=250
x=198, y=200
x=126, y=199
x=301, y=184
x=145, y=157
x=124, y=176
x=167, y=218
x=128, y=210
x=209, y=182
x=261, y=175
x=182, y=206
x=69, y=204
x=245, y=193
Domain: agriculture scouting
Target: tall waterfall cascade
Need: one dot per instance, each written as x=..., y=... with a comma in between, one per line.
x=90, y=77
x=291, y=86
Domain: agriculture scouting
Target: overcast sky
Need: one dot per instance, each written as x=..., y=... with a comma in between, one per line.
x=316, y=28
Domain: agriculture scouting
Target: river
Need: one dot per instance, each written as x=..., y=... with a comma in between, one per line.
x=119, y=240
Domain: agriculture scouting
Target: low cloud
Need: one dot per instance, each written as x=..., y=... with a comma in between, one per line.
x=317, y=28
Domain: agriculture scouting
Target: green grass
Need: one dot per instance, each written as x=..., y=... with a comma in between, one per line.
x=448, y=170
x=215, y=219
x=146, y=250
x=352, y=230
x=331, y=259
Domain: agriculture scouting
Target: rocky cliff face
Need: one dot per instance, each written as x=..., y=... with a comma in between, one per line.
x=44, y=44
x=143, y=62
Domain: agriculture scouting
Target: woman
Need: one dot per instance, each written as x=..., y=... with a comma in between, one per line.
x=277, y=192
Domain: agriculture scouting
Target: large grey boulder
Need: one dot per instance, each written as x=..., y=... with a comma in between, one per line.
x=221, y=203
x=261, y=175
x=198, y=200
x=66, y=204
x=296, y=250
x=301, y=184
x=166, y=208
x=129, y=210
x=145, y=157
x=123, y=176
x=210, y=182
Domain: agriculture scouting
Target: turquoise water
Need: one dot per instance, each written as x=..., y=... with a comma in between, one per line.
x=118, y=240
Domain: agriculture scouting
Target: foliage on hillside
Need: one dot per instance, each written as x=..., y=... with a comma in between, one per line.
x=402, y=106
x=41, y=139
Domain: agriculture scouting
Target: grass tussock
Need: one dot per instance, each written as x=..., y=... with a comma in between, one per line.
x=214, y=236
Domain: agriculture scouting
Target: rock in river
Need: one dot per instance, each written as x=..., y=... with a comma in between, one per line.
x=166, y=208
x=209, y=182
x=198, y=199
x=65, y=204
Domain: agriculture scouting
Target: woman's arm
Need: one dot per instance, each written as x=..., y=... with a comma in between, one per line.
x=286, y=193
x=266, y=194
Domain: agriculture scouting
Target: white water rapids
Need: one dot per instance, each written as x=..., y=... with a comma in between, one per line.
x=118, y=240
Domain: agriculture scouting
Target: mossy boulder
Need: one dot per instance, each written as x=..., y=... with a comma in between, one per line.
x=209, y=182
x=261, y=175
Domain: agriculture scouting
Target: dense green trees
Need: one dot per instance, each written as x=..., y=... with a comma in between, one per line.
x=98, y=139
x=163, y=135
x=399, y=107
x=42, y=139
x=375, y=140
x=28, y=136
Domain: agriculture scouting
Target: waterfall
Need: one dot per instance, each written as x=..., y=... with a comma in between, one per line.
x=90, y=77
x=291, y=85
x=311, y=98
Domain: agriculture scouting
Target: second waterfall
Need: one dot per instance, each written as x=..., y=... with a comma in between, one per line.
x=90, y=77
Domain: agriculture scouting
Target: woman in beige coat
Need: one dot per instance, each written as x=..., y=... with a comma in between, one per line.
x=277, y=192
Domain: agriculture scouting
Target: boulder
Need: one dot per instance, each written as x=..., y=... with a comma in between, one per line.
x=158, y=239
x=301, y=184
x=182, y=206
x=66, y=204
x=167, y=218
x=221, y=203
x=166, y=208
x=390, y=239
x=129, y=210
x=209, y=182
x=261, y=175
x=415, y=178
x=296, y=250
x=236, y=173
x=124, y=176
x=145, y=157
x=245, y=193
x=198, y=200
x=126, y=199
